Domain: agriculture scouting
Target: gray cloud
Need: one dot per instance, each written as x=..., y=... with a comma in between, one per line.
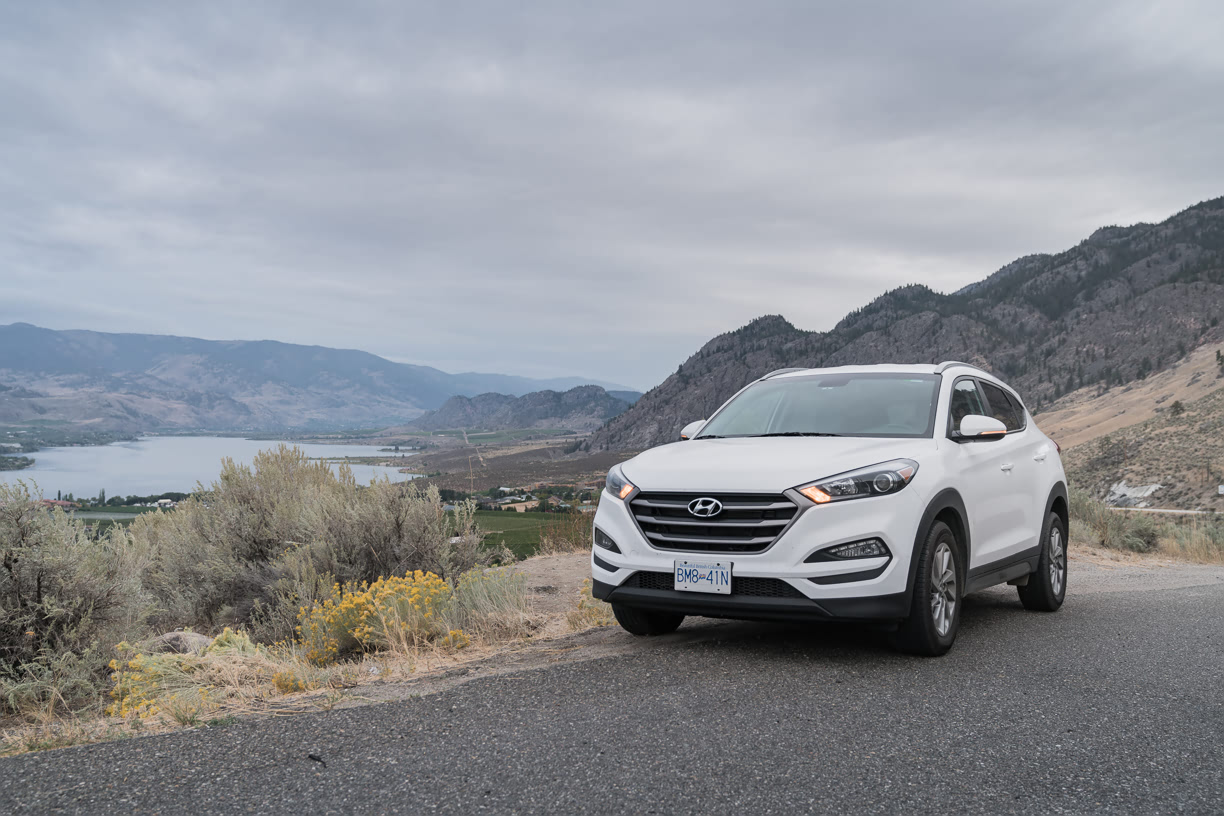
x=569, y=188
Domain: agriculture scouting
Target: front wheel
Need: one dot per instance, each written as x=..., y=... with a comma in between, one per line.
x=646, y=621
x=935, y=610
x=1047, y=587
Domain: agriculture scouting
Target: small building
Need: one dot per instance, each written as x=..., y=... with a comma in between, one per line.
x=63, y=505
x=521, y=507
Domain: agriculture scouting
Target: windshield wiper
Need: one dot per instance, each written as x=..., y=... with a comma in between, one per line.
x=710, y=436
x=798, y=433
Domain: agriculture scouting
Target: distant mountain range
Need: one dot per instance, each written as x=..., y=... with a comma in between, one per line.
x=132, y=382
x=1125, y=302
x=584, y=408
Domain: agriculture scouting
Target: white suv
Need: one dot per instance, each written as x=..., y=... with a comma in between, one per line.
x=862, y=493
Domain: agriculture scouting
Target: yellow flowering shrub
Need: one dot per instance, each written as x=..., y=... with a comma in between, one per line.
x=391, y=613
x=405, y=611
x=287, y=682
x=328, y=629
x=135, y=689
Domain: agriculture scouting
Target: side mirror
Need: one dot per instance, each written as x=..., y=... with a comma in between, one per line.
x=978, y=427
x=692, y=429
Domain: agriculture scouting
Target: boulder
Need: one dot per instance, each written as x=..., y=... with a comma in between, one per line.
x=179, y=643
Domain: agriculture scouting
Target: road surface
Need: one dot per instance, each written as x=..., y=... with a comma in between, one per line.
x=1114, y=704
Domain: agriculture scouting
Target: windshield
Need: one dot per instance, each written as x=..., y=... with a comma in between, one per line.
x=884, y=405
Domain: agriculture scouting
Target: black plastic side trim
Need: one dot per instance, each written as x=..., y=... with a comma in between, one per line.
x=602, y=564
x=880, y=607
x=1000, y=572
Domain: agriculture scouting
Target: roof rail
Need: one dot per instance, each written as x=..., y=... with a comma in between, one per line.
x=781, y=371
x=946, y=364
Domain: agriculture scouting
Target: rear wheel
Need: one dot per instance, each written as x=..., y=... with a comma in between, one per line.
x=646, y=621
x=1047, y=587
x=935, y=609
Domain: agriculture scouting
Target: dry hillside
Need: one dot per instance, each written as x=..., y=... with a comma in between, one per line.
x=1092, y=412
x=1183, y=451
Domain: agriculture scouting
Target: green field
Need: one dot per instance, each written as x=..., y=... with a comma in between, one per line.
x=519, y=531
x=496, y=437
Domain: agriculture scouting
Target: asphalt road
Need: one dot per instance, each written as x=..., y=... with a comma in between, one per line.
x=1114, y=704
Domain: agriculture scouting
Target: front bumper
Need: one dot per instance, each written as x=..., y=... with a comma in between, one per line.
x=850, y=589
x=747, y=607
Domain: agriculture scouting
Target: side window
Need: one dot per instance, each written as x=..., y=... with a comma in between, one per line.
x=966, y=400
x=1002, y=407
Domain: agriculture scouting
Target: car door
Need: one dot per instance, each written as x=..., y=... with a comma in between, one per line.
x=982, y=472
x=1022, y=448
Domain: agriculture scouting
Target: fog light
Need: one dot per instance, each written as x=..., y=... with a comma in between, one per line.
x=603, y=540
x=871, y=548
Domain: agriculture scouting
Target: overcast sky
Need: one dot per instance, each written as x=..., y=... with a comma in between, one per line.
x=572, y=188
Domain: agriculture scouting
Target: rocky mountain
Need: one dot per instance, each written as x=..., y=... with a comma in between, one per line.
x=580, y=409
x=1123, y=303
x=134, y=382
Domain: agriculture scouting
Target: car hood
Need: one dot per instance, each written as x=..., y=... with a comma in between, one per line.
x=761, y=464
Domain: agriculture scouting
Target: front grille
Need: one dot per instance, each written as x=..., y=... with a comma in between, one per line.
x=757, y=587
x=747, y=524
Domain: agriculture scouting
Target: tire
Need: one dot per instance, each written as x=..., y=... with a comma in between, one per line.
x=939, y=584
x=646, y=622
x=1047, y=587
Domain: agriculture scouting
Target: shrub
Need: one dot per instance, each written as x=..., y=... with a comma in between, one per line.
x=265, y=540
x=392, y=613
x=64, y=600
x=402, y=614
x=491, y=604
x=231, y=671
x=1113, y=529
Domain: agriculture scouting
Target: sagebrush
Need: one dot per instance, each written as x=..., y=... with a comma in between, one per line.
x=249, y=551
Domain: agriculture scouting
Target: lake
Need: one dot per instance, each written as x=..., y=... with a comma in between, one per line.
x=162, y=464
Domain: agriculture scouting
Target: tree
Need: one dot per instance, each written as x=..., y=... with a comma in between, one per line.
x=101, y=497
x=1176, y=409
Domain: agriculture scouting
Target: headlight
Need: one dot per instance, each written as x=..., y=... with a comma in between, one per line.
x=617, y=484
x=877, y=480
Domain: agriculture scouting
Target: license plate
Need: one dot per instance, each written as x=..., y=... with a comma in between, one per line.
x=704, y=576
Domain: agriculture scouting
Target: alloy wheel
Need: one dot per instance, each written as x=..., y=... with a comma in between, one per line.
x=1058, y=560
x=943, y=588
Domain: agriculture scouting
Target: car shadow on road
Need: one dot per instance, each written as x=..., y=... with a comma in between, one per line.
x=981, y=611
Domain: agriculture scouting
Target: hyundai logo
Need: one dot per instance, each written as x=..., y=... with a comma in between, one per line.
x=705, y=507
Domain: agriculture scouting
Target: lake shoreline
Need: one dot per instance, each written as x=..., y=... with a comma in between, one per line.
x=156, y=464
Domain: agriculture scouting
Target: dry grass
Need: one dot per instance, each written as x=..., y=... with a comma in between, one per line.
x=589, y=611
x=1196, y=538
x=571, y=534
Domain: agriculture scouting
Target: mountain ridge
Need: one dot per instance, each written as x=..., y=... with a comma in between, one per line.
x=129, y=382
x=580, y=409
x=1120, y=304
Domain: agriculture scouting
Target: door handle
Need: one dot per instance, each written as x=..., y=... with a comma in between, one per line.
x=1006, y=467
x=1041, y=457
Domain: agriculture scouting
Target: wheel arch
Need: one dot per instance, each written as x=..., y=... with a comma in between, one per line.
x=1057, y=502
x=947, y=506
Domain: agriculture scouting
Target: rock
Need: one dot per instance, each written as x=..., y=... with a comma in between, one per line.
x=1124, y=495
x=179, y=643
